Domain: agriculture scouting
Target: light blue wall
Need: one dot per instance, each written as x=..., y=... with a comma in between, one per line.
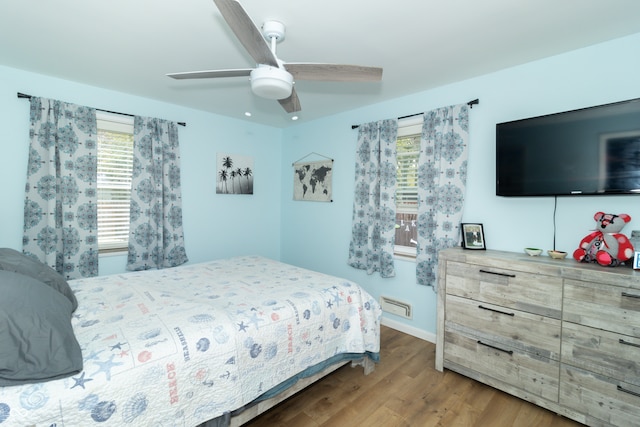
x=316, y=235
x=215, y=225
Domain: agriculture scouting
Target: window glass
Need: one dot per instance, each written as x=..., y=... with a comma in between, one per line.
x=408, y=151
x=115, y=165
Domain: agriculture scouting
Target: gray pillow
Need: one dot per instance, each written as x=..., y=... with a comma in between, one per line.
x=12, y=260
x=37, y=340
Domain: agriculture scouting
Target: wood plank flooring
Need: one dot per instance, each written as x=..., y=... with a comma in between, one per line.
x=405, y=390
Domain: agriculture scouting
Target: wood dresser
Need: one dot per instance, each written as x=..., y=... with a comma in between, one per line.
x=558, y=333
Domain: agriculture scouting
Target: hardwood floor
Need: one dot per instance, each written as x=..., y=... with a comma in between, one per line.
x=405, y=390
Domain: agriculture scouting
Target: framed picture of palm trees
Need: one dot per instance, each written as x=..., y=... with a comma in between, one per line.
x=234, y=174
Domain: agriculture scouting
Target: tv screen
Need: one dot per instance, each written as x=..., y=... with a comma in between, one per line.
x=590, y=151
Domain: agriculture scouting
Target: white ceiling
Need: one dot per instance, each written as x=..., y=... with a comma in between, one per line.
x=129, y=45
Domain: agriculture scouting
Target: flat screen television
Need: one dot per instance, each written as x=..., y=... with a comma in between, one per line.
x=590, y=151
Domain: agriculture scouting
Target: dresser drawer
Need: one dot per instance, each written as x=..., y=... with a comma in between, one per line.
x=535, y=375
x=530, y=292
x=612, y=308
x=505, y=327
x=606, y=353
x=615, y=402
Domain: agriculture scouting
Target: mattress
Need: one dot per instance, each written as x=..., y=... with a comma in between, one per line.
x=180, y=346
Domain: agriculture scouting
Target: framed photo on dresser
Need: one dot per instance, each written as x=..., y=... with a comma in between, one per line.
x=472, y=236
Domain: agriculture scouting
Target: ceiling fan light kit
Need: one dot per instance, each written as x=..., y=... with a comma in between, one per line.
x=272, y=78
x=271, y=82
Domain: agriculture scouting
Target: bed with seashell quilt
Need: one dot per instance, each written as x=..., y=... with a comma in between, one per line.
x=205, y=344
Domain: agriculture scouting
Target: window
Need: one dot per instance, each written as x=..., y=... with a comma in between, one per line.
x=408, y=151
x=115, y=165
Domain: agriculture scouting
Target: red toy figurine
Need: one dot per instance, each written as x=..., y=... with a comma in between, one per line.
x=606, y=245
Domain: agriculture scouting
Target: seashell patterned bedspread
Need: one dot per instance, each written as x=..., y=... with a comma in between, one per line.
x=181, y=346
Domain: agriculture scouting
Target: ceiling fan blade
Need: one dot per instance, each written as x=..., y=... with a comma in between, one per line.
x=333, y=72
x=292, y=103
x=210, y=74
x=246, y=31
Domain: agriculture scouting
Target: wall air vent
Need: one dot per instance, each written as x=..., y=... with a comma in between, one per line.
x=394, y=306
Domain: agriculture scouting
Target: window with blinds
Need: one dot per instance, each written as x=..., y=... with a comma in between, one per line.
x=408, y=151
x=115, y=165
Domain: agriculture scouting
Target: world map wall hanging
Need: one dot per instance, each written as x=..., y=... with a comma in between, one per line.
x=312, y=180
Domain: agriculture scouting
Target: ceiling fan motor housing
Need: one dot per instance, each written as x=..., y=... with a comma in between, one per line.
x=271, y=82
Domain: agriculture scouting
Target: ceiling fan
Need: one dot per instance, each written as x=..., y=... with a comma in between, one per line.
x=273, y=78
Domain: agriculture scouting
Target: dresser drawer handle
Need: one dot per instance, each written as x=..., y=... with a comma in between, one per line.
x=496, y=273
x=496, y=311
x=509, y=352
x=626, y=294
x=620, y=388
x=621, y=341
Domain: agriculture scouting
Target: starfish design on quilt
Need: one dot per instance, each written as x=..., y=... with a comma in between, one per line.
x=93, y=355
x=106, y=366
x=242, y=326
x=336, y=298
x=118, y=345
x=79, y=382
x=329, y=304
x=254, y=319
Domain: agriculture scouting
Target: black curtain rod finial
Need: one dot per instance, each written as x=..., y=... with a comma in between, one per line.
x=474, y=102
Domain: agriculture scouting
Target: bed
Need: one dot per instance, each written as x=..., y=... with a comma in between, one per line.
x=196, y=345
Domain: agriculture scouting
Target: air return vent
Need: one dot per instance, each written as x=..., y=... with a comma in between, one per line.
x=394, y=306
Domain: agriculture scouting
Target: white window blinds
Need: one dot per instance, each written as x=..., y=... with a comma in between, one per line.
x=115, y=165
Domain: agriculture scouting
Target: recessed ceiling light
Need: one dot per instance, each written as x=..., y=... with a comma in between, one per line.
x=248, y=114
x=294, y=118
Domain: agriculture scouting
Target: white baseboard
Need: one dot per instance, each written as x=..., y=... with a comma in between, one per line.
x=402, y=327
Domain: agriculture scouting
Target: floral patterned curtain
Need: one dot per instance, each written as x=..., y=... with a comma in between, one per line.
x=442, y=177
x=374, y=207
x=60, y=208
x=156, y=238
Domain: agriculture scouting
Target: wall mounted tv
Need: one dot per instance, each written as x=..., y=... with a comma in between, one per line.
x=590, y=151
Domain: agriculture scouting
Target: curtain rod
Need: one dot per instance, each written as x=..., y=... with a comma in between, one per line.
x=470, y=104
x=22, y=95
